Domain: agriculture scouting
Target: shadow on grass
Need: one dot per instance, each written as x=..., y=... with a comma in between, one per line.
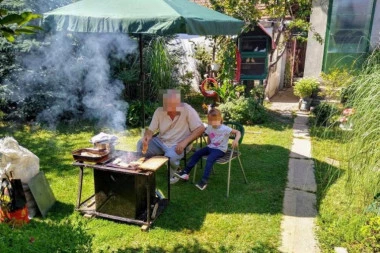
x=60, y=211
x=197, y=247
x=46, y=236
x=277, y=121
x=266, y=171
x=329, y=133
x=325, y=175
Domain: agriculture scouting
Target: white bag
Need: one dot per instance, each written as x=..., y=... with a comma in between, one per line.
x=17, y=161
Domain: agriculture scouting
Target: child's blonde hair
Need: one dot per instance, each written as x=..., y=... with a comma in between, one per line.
x=215, y=114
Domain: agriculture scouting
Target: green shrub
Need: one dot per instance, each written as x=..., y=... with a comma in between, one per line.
x=27, y=108
x=244, y=110
x=228, y=91
x=325, y=113
x=371, y=234
x=346, y=94
x=195, y=99
x=135, y=112
x=258, y=92
x=305, y=87
x=335, y=81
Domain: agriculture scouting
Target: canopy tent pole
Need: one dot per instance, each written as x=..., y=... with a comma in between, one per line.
x=141, y=79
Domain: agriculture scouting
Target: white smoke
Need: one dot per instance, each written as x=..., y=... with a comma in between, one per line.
x=75, y=70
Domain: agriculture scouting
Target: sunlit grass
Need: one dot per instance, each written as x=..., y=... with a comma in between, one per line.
x=194, y=221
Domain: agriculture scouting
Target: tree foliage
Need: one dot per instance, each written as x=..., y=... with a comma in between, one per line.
x=290, y=19
x=296, y=12
x=13, y=24
x=242, y=9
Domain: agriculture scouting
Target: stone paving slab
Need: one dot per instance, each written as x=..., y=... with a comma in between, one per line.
x=298, y=222
x=300, y=127
x=301, y=175
x=301, y=119
x=301, y=148
x=300, y=131
x=299, y=206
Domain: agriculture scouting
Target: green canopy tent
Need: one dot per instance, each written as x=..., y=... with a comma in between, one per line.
x=160, y=17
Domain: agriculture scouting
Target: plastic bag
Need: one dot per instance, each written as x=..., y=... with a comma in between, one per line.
x=104, y=138
x=17, y=161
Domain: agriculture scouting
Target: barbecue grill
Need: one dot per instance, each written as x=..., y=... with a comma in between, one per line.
x=125, y=186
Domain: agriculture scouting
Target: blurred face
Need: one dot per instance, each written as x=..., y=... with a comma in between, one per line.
x=214, y=121
x=171, y=100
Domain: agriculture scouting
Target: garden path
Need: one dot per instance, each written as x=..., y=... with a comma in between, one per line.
x=299, y=208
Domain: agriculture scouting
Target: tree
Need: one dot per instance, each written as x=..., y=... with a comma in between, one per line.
x=12, y=24
x=290, y=18
x=296, y=12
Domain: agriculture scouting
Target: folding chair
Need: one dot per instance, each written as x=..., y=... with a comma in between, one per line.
x=230, y=155
x=190, y=147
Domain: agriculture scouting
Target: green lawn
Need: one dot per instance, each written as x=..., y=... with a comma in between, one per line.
x=194, y=221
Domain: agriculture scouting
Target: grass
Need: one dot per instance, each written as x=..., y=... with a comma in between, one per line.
x=194, y=221
x=341, y=211
x=348, y=183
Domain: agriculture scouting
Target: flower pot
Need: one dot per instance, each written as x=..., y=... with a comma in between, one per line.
x=304, y=104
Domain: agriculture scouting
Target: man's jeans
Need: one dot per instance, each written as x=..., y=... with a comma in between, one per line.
x=157, y=147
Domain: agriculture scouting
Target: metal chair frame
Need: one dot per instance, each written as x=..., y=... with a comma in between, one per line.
x=230, y=155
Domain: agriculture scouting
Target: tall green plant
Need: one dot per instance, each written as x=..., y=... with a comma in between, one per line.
x=345, y=209
x=228, y=91
x=364, y=152
x=227, y=57
x=160, y=67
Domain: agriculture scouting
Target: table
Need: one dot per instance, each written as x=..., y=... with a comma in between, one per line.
x=124, y=194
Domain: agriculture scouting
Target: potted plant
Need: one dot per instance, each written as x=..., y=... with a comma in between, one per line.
x=304, y=88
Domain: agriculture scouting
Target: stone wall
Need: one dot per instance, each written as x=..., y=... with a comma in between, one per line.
x=375, y=36
x=314, y=51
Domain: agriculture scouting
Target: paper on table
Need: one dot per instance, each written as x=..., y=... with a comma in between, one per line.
x=153, y=163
